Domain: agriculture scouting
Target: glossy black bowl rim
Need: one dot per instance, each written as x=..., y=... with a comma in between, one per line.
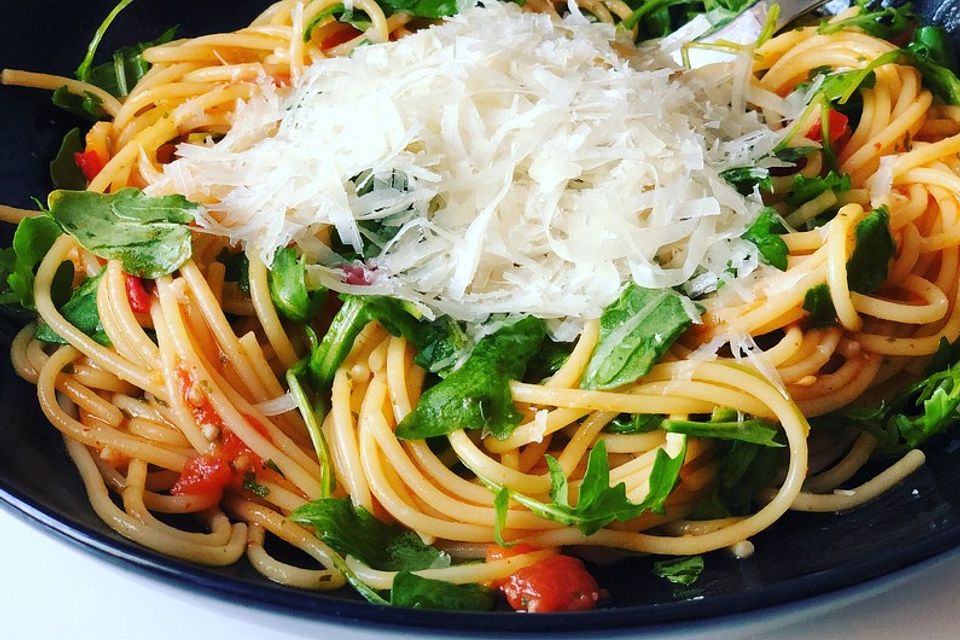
x=269, y=596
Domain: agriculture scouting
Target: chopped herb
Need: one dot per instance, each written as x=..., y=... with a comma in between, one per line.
x=883, y=22
x=635, y=423
x=747, y=179
x=250, y=484
x=805, y=189
x=818, y=303
x=288, y=287
x=88, y=106
x=680, y=571
x=725, y=424
x=765, y=234
x=868, y=264
x=410, y=590
x=80, y=311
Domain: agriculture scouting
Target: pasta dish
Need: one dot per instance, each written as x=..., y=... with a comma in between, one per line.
x=447, y=296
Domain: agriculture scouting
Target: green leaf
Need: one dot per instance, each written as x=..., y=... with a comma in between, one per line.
x=410, y=590
x=250, y=484
x=80, y=311
x=931, y=52
x=746, y=179
x=635, y=423
x=31, y=242
x=127, y=66
x=680, y=571
x=754, y=430
x=64, y=171
x=805, y=189
x=83, y=71
x=434, y=9
x=236, y=268
x=89, y=106
x=548, y=360
x=818, y=303
x=148, y=235
x=870, y=260
x=288, y=287
x=477, y=395
x=765, y=234
x=356, y=532
x=359, y=20
x=312, y=406
x=745, y=469
x=599, y=504
x=635, y=332
x=885, y=22
x=501, y=504
x=441, y=345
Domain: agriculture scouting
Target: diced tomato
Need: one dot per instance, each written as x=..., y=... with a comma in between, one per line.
x=345, y=34
x=205, y=474
x=838, y=128
x=200, y=405
x=89, y=163
x=137, y=295
x=165, y=153
x=557, y=583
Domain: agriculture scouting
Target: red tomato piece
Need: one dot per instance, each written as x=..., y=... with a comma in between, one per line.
x=838, y=127
x=557, y=583
x=203, y=475
x=89, y=163
x=355, y=274
x=166, y=153
x=137, y=295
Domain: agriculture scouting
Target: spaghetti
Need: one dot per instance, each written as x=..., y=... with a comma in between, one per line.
x=198, y=372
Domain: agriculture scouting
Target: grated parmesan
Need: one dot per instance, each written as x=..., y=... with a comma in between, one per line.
x=543, y=164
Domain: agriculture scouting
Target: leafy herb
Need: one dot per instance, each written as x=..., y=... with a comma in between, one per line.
x=357, y=19
x=746, y=179
x=635, y=332
x=250, y=484
x=84, y=70
x=64, y=171
x=805, y=189
x=80, y=311
x=477, y=395
x=501, y=505
x=31, y=241
x=288, y=287
x=870, y=260
x=148, y=235
x=818, y=303
x=599, y=504
x=441, y=345
x=635, y=423
x=410, y=590
x=127, y=66
x=725, y=425
x=236, y=268
x=312, y=406
x=355, y=531
x=89, y=106
x=745, y=469
x=931, y=52
x=765, y=234
x=680, y=571
x=882, y=22
x=421, y=8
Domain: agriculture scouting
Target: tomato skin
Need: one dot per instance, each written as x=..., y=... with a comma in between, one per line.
x=89, y=163
x=205, y=474
x=557, y=583
x=838, y=127
x=137, y=295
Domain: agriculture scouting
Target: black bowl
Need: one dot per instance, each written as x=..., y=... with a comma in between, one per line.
x=802, y=556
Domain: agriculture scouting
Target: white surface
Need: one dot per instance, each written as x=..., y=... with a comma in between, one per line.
x=49, y=589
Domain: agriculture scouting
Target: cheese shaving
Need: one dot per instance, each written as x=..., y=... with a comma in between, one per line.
x=508, y=162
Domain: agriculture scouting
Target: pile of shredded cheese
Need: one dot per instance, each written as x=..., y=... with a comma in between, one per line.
x=527, y=165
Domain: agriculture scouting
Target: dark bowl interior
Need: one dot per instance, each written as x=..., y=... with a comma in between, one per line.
x=804, y=555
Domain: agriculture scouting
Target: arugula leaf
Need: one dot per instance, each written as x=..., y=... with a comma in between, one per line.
x=355, y=18
x=745, y=469
x=600, y=504
x=884, y=22
x=805, y=189
x=501, y=504
x=149, y=236
x=746, y=179
x=721, y=427
x=84, y=70
x=680, y=571
x=635, y=332
x=410, y=590
x=434, y=9
x=477, y=395
x=441, y=345
x=298, y=382
x=818, y=303
x=80, y=311
x=635, y=423
x=31, y=241
x=355, y=531
x=64, y=172
x=127, y=66
x=931, y=52
x=765, y=234
x=288, y=287
x=250, y=484
x=89, y=106
x=870, y=260
x=236, y=268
